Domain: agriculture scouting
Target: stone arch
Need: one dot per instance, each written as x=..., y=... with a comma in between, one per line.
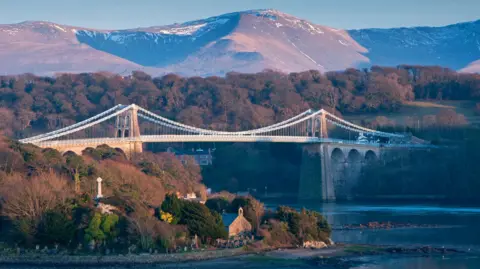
x=370, y=156
x=354, y=156
x=352, y=172
x=337, y=155
x=338, y=171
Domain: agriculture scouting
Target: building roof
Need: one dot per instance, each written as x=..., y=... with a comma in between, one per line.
x=228, y=218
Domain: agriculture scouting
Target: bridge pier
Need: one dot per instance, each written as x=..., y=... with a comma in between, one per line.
x=330, y=171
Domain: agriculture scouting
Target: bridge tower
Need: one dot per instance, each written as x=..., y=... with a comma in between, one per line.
x=317, y=126
x=323, y=126
x=126, y=126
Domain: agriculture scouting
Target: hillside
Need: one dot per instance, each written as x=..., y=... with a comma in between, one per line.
x=454, y=46
x=32, y=104
x=248, y=41
x=472, y=68
x=414, y=113
x=48, y=48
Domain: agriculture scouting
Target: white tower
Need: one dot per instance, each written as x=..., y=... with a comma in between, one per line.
x=99, y=188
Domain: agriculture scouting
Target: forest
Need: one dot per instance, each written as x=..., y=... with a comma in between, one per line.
x=48, y=199
x=30, y=104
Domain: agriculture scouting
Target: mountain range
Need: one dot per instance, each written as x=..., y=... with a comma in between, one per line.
x=247, y=41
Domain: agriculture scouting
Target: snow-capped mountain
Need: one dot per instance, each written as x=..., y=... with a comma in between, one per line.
x=248, y=41
x=47, y=48
x=245, y=41
x=454, y=46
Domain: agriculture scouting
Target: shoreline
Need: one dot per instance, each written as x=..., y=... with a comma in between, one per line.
x=35, y=259
x=339, y=251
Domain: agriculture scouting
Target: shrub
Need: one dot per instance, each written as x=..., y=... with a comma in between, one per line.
x=218, y=204
x=56, y=227
x=305, y=225
x=173, y=205
x=101, y=228
x=276, y=233
x=201, y=221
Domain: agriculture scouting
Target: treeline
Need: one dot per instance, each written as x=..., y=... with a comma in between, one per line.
x=31, y=104
x=47, y=199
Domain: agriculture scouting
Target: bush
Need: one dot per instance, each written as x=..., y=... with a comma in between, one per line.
x=173, y=205
x=305, y=225
x=218, y=204
x=276, y=234
x=202, y=222
x=56, y=228
x=104, y=152
x=101, y=228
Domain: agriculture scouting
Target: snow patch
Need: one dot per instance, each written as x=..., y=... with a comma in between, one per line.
x=116, y=38
x=187, y=29
x=88, y=33
x=304, y=25
x=59, y=28
x=278, y=25
x=119, y=37
x=12, y=32
x=304, y=54
x=343, y=43
x=74, y=31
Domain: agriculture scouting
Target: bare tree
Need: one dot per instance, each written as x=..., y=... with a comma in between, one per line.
x=30, y=198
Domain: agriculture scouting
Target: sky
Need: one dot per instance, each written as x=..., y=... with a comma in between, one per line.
x=346, y=14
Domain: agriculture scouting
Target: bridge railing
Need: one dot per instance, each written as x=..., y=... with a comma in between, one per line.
x=298, y=129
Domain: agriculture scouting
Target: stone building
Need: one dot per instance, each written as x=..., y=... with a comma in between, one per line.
x=236, y=224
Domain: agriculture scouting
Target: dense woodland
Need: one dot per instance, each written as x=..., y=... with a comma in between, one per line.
x=237, y=101
x=47, y=199
x=30, y=104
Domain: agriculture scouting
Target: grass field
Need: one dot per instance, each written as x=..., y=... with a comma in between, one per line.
x=422, y=108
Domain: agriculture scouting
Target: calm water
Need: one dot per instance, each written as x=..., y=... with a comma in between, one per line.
x=459, y=229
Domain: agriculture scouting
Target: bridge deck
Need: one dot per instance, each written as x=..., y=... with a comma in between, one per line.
x=212, y=138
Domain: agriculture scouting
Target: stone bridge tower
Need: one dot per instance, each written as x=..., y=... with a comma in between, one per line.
x=127, y=127
x=317, y=126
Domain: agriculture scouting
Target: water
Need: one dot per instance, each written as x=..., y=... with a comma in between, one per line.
x=458, y=228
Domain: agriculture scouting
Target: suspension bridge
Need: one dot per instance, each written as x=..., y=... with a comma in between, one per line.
x=334, y=152
x=129, y=126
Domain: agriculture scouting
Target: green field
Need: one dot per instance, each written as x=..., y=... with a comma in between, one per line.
x=421, y=108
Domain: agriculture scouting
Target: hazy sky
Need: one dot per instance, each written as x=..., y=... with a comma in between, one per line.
x=119, y=14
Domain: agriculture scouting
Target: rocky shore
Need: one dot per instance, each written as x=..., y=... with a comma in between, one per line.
x=111, y=260
x=339, y=256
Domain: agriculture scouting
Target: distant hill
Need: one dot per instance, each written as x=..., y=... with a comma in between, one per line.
x=454, y=46
x=472, y=68
x=248, y=41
